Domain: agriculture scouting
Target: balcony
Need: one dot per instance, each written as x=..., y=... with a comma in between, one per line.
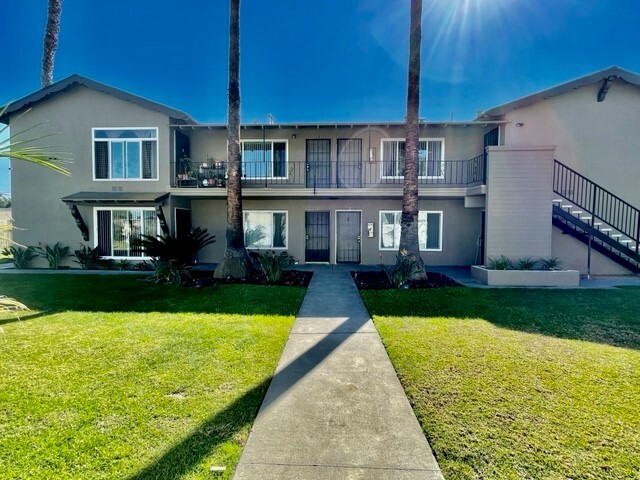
x=320, y=175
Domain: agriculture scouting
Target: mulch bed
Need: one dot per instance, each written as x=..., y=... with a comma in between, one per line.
x=290, y=278
x=378, y=280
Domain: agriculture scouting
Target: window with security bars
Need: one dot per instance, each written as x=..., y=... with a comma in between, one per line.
x=119, y=228
x=265, y=229
x=125, y=154
x=430, y=158
x=429, y=230
x=264, y=159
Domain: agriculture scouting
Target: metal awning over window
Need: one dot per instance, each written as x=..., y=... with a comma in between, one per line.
x=154, y=199
x=113, y=198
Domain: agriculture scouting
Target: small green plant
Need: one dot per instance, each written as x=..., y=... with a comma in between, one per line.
x=500, y=263
x=87, y=258
x=273, y=265
x=526, y=263
x=21, y=257
x=551, y=263
x=406, y=267
x=165, y=271
x=123, y=265
x=54, y=255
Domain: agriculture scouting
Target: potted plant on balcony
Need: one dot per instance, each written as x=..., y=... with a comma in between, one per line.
x=221, y=180
x=183, y=167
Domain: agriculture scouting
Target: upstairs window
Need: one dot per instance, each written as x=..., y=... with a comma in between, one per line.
x=266, y=159
x=429, y=230
x=430, y=158
x=125, y=154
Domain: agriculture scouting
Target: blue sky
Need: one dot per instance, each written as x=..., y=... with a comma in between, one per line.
x=329, y=60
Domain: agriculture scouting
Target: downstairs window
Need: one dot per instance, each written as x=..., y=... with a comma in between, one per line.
x=117, y=228
x=429, y=230
x=265, y=229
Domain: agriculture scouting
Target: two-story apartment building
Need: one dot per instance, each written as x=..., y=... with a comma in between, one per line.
x=327, y=192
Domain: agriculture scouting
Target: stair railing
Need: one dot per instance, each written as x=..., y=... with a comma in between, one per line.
x=598, y=201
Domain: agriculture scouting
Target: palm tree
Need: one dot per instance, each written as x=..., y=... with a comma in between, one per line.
x=236, y=262
x=409, y=245
x=50, y=44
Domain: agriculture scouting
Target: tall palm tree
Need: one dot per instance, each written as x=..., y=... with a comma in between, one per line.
x=409, y=220
x=50, y=44
x=236, y=262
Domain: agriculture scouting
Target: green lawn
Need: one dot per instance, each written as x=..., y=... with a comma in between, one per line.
x=520, y=384
x=113, y=377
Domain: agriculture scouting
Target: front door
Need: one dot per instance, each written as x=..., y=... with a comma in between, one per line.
x=183, y=222
x=348, y=230
x=349, y=162
x=317, y=237
x=318, y=163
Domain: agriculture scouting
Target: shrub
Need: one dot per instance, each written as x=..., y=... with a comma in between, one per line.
x=178, y=250
x=20, y=256
x=273, y=266
x=169, y=272
x=526, y=263
x=54, y=255
x=551, y=263
x=123, y=265
x=406, y=267
x=87, y=258
x=500, y=263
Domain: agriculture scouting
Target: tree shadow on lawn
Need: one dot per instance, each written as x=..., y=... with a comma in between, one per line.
x=606, y=316
x=126, y=293
x=182, y=457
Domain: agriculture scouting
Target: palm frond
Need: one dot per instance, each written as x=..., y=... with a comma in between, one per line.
x=20, y=148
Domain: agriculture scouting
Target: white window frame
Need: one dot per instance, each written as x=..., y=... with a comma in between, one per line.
x=426, y=139
x=396, y=213
x=95, y=229
x=110, y=140
x=286, y=229
x=272, y=141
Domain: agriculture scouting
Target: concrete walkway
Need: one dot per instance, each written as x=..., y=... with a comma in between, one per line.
x=335, y=408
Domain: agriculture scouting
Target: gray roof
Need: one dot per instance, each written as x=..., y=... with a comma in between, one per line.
x=75, y=80
x=614, y=71
x=115, y=198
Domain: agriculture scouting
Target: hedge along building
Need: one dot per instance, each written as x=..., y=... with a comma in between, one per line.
x=324, y=192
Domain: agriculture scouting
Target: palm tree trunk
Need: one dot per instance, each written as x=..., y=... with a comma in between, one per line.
x=236, y=262
x=409, y=244
x=50, y=44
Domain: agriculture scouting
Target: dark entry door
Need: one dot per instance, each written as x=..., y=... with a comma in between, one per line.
x=348, y=237
x=318, y=163
x=183, y=222
x=349, y=162
x=317, y=237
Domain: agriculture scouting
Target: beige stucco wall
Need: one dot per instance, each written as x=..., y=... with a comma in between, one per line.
x=461, y=142
x=36, y=191
x=601, y=140
x=461, y=227
x=519, y=195
x=573, y=255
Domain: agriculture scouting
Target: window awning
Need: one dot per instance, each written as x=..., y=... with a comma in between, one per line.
x=115, y=198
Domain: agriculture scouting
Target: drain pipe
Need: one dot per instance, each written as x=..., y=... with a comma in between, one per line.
x=589, y=258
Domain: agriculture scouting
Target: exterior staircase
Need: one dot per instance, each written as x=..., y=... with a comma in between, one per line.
x=592, y=214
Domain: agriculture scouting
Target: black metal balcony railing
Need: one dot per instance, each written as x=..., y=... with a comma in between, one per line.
x=329, y=174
